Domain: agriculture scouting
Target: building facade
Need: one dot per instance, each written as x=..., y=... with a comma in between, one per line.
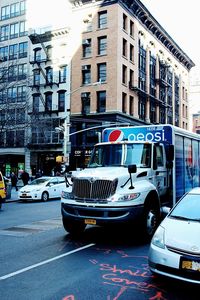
x=113, y=64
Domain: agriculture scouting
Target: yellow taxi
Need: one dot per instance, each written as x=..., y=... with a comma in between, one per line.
x=2, y=189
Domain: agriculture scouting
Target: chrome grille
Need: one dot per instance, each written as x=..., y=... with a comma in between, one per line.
x=97, y=190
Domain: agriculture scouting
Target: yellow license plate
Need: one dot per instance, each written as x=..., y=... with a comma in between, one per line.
x=90, y=222
x=191, y=265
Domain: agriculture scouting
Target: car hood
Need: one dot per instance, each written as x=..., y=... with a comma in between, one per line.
x=182, y=235
x=29, y=188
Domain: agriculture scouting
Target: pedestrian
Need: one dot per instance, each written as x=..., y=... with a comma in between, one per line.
x=25, y=177
x=14, y=180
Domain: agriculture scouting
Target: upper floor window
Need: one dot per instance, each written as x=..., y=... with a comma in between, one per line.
x=101, y=101
x=48, y=101
x=125, y=22
x=21, y=93
x=124, y=74
x=37, y=54
x=131, y=53
x=5, y=12
x=22, y=71
x=12, y=73
x=49, y=75
x=12, y=94
x=22, y=28
x=36, y=103
x=22, y=7
x=102, y=45
x=63, y=74
x=131, y=28
x=14, y=30
x=13, y=51
x=86, y=74
x=101, y=71
x=3, y=53
x=36, y=77
x=61, y=100
x=4, y=32
x=85, y=98
x=14, y=9
x=124, y=48
x=87, y=47
x=23, y=49
x=102, y=19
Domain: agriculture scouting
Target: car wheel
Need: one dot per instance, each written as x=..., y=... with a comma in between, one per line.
x=73, y=227
x=45, y=196
x=151, y=219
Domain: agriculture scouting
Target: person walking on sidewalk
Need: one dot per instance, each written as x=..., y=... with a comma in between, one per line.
x=14, y=180
x=25, y=177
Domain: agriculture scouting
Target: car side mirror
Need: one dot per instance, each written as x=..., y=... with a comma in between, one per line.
x=132, y=169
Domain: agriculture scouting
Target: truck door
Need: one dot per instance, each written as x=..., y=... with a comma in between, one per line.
x=160, y=175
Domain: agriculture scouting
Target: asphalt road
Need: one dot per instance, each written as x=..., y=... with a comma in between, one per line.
x=39, y=260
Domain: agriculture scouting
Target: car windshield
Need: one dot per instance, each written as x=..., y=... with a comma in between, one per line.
x=121, y=155
x=188, y=208
x=39, y=181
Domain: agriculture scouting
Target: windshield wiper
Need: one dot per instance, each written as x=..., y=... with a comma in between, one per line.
x=181, y=218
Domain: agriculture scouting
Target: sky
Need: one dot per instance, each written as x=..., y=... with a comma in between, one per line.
x=181, y=20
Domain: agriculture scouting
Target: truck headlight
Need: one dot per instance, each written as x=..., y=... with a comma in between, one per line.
x=128, y=197
x=159, y=238
x=67, y=195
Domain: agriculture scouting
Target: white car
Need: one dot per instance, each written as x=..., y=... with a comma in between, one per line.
x=175, y=247
x=43, y=188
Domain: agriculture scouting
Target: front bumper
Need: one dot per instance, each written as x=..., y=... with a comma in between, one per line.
x=167, y=263
x=102, y=215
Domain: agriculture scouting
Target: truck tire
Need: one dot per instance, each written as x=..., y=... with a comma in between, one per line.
x=73, y=227
x=151, y=218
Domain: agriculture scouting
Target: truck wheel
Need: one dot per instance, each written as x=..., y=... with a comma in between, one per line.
x=73, y=227
x=151, y=219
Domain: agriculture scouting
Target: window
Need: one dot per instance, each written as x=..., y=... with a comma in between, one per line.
x=3, y=54
x=124, y=47
x=3, y=74
x=131, y=28
x=23, y=49
x=36, y=77
x=49, y=75
x=124, y=74
x=142, y=108
x=20, y=115
x=12, y=73
x=22, y=71
x=86, y=74
x=37, y=54
x=102, y=19
x=21, y=93
x=22, y=7
x=85, y=98
x=101, y=71
x=102, y=45
x=48, y=101
x=131, y=106
x=159, y=156
x=36, y=103
x=14, y=10
x=63, y=74
x=4, y=33
x=13, y=51
x=20, y=138
x=131, y=79
x=5, y=12
x=22, y=28
x=101, y=101
x=61, y=100
x=14, y=30
x=124, y=22
x=124, y=103
x=87, y=48
x=142, y=68
x=12, y=94
x=10, y=138
x=152, y=112
x=131, y=53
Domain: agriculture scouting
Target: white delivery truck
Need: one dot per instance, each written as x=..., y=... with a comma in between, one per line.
x=132, y=174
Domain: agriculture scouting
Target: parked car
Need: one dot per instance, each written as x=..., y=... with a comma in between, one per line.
x=175, y=247
x=43, y=188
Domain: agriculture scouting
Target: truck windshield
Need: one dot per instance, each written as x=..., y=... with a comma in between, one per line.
x=121, y=155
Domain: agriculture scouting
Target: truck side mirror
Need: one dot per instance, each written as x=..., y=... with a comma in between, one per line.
x=132, y=169
x=170, y=153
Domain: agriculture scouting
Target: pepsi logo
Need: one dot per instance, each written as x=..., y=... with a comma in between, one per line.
x=116, y=136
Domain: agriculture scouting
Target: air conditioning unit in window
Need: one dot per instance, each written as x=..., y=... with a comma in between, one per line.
x=86, y=67
x=86, y=42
